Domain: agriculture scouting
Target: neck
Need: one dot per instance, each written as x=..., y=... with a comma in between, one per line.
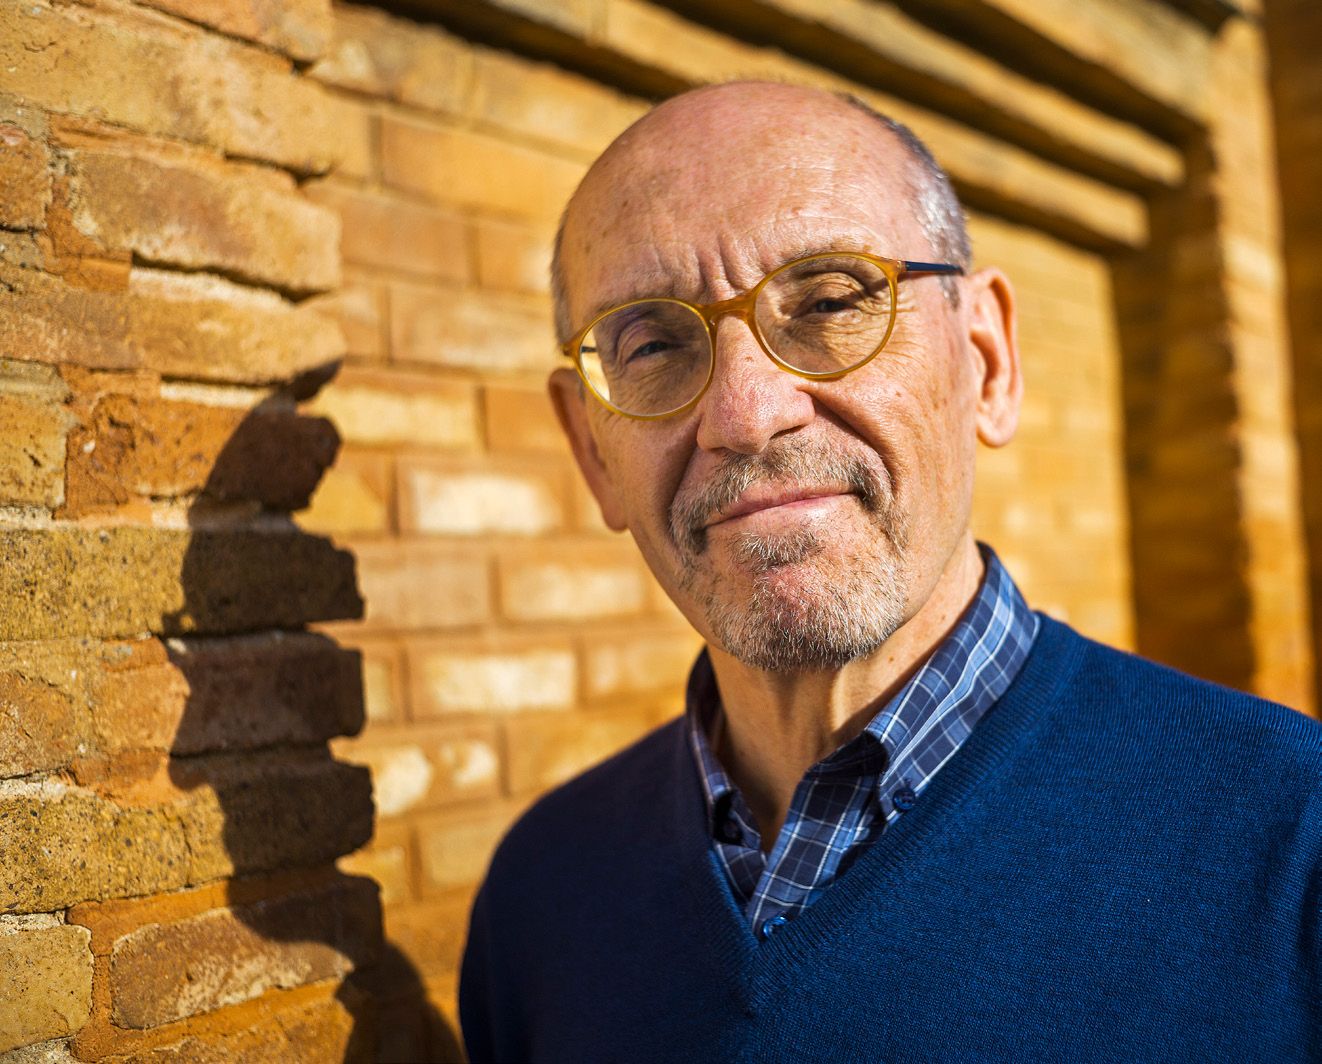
x=777, y=725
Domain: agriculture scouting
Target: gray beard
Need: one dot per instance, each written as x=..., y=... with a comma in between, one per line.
x=842, y=609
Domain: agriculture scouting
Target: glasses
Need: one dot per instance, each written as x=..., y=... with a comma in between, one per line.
x=818, y=317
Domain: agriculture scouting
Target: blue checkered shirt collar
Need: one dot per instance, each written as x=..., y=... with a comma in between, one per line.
x=848, y=798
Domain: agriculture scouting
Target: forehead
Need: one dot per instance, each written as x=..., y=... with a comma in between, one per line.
x=701, y=201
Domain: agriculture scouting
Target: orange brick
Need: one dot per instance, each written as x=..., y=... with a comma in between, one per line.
x=142, y=445
x=25, y=178
x=47, y=990
x=299, y=28
x=236, y=97
x=190, y=211
x=400, y=409
x=416, y=585
x=120, y=582
x=32, y=445
x=483, y=678
x=474, y=170
x=519, y=418
x=580, y=583
x=471, y=330
x=479, y=499
x=183, y=325
x=547, y=749
x=430, y=934
x=390, y=233
x=245, y=950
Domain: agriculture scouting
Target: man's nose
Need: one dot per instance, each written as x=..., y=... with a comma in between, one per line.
x=751, y=400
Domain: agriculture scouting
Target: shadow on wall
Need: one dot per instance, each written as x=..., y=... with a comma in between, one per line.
x=264, y=699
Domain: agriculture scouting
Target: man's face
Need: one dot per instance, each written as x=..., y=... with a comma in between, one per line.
x=796, y=523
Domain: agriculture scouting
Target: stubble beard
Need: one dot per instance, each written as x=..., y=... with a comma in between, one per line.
x=814, y=603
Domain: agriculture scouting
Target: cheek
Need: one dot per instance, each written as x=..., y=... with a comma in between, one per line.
x=645, y=462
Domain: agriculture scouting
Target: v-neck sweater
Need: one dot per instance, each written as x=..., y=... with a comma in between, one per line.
x=1119, y=863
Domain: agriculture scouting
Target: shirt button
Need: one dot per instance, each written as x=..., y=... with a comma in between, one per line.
x=729, y=832
x=904, y=799
x=770, y=925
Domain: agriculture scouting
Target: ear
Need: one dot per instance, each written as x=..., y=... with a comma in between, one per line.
x=570, y=403
x=993, y=332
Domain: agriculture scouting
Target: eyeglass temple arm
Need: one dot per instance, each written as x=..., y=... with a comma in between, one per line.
x=930, y=267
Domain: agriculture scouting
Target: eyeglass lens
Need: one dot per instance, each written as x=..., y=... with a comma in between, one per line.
x=823, y=315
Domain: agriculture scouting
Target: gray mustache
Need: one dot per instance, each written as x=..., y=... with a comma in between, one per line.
x=810, y=462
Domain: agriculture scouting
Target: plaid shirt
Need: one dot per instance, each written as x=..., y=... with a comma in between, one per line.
x=848, y=798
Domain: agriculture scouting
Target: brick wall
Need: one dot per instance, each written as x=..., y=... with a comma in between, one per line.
x=170, y=813
x=243, y=199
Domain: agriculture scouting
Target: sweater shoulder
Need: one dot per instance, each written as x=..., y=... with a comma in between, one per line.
x=1150, y=703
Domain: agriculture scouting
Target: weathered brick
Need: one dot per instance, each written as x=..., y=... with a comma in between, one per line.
x=205, y=695
x=188, y=210
x=519, y=418
x=291, y=1027
x=451, y=499
x=182, y=325
x=46, y=990
x=139, y=445
x=124, y=581
x=389, y=233
x=455, y=848
x=415, y=585
x=356, y=496
x=546, y=749
x=163, y=76
x=475, y=170
x=164, y=972
x=471, y=330
x=646, y=662
x=25, y=178
x=400, y=409
x=33, y=441
x=299, y=28
x=512, y=257
x=397, y=60
x=203, y=819
x=472, y=678
x=40, y=723
x=580, y=583
x=542, y=102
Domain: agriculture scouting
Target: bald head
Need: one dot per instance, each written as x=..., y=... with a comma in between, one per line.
x=723, y=137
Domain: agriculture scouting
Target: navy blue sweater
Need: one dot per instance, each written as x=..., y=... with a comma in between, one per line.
x=1121, y=863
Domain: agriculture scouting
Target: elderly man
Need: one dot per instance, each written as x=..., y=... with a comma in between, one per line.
x=904, y=817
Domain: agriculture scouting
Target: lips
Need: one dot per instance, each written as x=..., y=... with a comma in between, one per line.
x=766, y=496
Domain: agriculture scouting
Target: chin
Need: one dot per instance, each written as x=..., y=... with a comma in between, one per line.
x=801, y=616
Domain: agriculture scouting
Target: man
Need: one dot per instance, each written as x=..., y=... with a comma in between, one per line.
x=903, y=818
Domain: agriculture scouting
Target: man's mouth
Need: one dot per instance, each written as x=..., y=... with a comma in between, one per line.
x=763, y=497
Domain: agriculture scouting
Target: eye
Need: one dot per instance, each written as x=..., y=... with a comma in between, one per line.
x=652, y=347
x=829, y=306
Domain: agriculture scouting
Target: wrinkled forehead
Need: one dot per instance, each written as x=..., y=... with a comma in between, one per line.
x=708, y=194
